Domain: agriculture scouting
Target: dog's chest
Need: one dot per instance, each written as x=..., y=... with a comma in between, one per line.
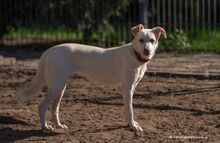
x=141, y=71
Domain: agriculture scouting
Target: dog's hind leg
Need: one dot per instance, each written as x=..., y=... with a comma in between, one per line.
x=54, y=90
x=55, y=110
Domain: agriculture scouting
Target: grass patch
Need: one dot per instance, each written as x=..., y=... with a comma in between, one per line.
x=179, y=41
x=50, y=33
x=207, y=42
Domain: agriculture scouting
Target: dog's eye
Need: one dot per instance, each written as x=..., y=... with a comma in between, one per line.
x=152, y=40
x=142, y=40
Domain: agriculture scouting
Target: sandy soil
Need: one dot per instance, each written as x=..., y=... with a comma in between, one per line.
x=169, y=110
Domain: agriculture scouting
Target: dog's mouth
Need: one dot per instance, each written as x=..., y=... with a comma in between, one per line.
x=141, y=58
x=147, y=60
x=146, y=57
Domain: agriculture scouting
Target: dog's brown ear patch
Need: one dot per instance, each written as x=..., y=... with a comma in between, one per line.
x=158, y=31
x=136, y=29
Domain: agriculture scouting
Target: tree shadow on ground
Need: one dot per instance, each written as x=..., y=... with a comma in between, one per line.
x=8, y=134
x=11, y=120
x=169, y=93
x=11, y=135
x=155, y=107
x=196, y=112
x=217, y=126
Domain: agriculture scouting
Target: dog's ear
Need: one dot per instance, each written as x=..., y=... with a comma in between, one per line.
x=158, y=31
x=136, y=29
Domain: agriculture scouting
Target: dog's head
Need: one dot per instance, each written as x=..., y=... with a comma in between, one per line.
x=145, y=41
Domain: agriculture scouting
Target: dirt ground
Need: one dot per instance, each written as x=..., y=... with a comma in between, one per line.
x=170, y=109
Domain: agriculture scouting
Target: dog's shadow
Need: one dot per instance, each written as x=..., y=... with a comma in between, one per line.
x=8, y=134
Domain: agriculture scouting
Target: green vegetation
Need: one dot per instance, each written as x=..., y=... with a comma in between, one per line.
x=88, y=16
x=206, y=42
x=44, y=33
x=104, y=36
x=177, y=41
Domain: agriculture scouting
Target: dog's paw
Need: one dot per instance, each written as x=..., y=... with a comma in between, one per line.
x=48, y=128
x=63, y=126
x=136, y=127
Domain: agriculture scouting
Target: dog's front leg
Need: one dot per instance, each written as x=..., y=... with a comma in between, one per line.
x=127, y=95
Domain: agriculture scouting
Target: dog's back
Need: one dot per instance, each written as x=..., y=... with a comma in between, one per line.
x=100, y=64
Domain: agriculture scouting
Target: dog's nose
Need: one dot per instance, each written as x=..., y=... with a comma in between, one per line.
x=146, y=52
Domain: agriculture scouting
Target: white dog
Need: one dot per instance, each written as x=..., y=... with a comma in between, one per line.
x=124, y=66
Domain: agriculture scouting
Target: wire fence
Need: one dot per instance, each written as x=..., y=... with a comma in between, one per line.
x=189, y=15
x=98, y=22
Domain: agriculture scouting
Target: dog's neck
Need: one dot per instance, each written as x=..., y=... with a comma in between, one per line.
x=138, y=56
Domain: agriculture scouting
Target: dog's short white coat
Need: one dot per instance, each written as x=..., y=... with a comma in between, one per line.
x=115, y=66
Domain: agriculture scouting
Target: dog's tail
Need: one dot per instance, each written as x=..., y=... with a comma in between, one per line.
x=37, y=83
